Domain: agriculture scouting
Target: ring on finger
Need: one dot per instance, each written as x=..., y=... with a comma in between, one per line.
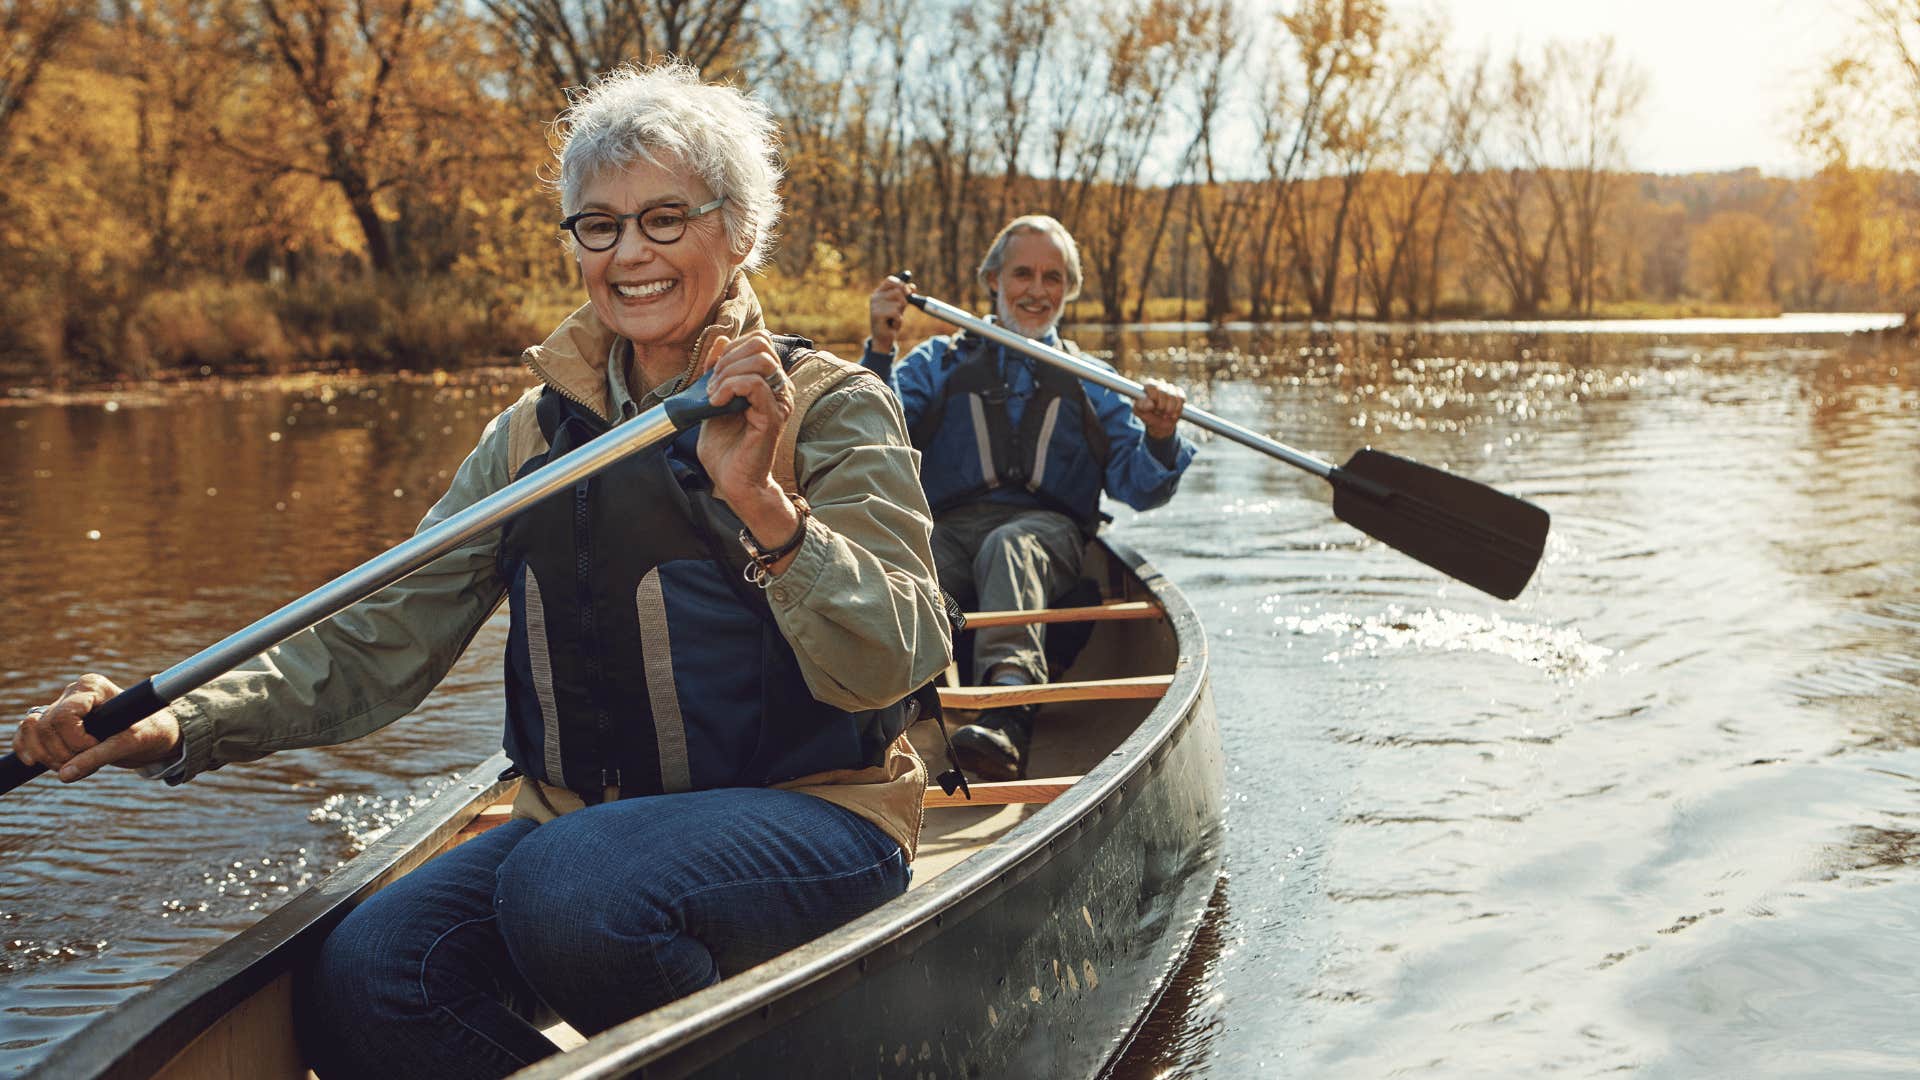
x=34, y=713
x=777, y=381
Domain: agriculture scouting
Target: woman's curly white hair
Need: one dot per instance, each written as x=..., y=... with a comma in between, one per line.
x=638, y=114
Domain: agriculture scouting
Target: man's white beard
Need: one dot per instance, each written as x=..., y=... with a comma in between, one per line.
x=1014, y=319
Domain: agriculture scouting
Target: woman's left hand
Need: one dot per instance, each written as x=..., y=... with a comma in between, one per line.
x=737, y=450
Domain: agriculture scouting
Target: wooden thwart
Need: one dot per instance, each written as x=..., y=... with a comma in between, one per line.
x=993, y=697
x=1120, y=610
x=1002, y=793
x=493, y=816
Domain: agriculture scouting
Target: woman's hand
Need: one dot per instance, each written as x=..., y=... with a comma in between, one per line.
x=1160, y=409
x=53, y=736
x=737, y=451
x=884, y=309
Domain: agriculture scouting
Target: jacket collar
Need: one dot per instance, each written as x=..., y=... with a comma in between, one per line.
x=578, y=359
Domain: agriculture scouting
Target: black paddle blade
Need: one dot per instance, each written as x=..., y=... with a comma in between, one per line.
x=1465, y=530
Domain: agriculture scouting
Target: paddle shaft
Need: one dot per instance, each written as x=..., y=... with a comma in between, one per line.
x=136, y=703
x=1118, y=383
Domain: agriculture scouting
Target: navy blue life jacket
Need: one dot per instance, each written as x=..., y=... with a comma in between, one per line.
x=638, y=656
x=1057, y=453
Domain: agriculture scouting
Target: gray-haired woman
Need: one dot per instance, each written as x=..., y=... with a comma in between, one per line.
x=709, y=649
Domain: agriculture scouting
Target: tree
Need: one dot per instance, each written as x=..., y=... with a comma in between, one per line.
x=1859, y=123
x=365, y=97
x=1396, y=200
x=1022, y=37
x=1578, y=144
x=33, y=31
x=1513, y=216
x=1220, y=212
x=1459, y=149
x=1732, y=256
x=556, y=44
x=1350, y=85
x=1145, y=59
x=955, y=128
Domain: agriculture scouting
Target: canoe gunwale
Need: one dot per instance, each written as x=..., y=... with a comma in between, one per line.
x=141, y=1035
x=785, y=986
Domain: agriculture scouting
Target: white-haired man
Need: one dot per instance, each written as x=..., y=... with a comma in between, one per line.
x=1015, y=456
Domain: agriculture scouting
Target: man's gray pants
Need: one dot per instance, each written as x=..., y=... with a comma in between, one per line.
x=997, y=557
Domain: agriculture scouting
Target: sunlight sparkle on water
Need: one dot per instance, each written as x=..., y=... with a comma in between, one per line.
x=1559, y=651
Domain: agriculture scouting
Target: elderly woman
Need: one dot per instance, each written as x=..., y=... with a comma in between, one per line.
x=709, y=649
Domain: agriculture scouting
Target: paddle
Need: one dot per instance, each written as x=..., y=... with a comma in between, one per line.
x=1461, y=528
x=136, y=703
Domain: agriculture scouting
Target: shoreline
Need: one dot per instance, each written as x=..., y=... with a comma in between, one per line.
x=117, y=392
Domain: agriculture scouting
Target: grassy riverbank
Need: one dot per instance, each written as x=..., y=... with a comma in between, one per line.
x=394, y=324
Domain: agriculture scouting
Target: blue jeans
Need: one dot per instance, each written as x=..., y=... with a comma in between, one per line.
x=601, y=915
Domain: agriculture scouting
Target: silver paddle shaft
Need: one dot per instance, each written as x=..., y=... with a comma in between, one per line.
x=1118, y=383
x=383, y=570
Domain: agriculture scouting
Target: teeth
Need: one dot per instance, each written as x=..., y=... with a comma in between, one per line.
x=636, y=292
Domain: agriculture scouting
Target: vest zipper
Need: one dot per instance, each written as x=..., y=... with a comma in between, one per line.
x=589, y=643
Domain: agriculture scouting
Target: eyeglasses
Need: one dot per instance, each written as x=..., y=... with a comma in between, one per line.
x=597, y=230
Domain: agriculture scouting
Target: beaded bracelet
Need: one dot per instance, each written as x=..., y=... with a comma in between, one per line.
x=759, y=568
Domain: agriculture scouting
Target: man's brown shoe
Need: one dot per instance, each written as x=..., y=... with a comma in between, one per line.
x=994, y=747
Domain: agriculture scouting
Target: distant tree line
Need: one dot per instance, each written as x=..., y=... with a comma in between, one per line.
x=174, y=165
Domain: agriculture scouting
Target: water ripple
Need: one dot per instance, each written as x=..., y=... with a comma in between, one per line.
x=1560, y=651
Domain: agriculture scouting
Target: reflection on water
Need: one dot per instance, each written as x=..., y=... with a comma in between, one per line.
x=1792, y=322
x=137, y=527
x=1656, y=815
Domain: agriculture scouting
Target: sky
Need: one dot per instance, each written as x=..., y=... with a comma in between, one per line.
x=1724, y=76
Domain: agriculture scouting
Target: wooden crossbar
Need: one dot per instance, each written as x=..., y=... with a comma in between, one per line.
x=1002, y=793
x=1124, y=609
x=493, y=816
x=993, y=697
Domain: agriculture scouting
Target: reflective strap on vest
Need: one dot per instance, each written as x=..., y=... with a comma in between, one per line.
x=543, y=680
x=669, y=726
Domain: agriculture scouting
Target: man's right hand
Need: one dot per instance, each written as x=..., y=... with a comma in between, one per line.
x=884, y=309
x=53, y=736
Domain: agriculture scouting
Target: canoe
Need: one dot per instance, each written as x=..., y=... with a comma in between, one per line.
x=1043, y=921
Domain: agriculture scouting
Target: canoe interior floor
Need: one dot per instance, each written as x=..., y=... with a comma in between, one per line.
x=1068, y=741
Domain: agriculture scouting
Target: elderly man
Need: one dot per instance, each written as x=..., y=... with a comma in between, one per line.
x=1016, y=454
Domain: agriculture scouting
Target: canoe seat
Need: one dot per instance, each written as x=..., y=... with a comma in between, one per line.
x=1118, y=610
x=992, y=697
x=1003, y=792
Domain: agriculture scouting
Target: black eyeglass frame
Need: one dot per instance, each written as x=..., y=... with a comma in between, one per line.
x=639, y=219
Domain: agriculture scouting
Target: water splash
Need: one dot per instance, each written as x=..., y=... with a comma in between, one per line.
x=1559, y=651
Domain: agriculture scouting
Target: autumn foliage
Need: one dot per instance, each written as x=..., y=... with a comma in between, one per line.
x=269, y=184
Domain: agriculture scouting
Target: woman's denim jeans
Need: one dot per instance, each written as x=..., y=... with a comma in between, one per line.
x=601, y=914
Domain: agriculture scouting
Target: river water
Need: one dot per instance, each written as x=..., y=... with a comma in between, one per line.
x=1660, y=815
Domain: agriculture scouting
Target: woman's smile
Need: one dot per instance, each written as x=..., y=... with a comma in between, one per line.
x=651, y=290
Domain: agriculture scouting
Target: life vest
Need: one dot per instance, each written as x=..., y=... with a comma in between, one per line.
x=637, y=655
x=1056, y=454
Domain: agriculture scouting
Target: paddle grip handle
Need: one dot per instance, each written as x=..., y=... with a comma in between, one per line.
x=117, y=714
x=685, y=414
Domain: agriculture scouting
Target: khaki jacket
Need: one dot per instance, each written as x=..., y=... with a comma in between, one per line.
x=858, y=603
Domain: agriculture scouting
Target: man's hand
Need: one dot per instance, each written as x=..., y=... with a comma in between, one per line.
x=1160, y=409
x=884, y=309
